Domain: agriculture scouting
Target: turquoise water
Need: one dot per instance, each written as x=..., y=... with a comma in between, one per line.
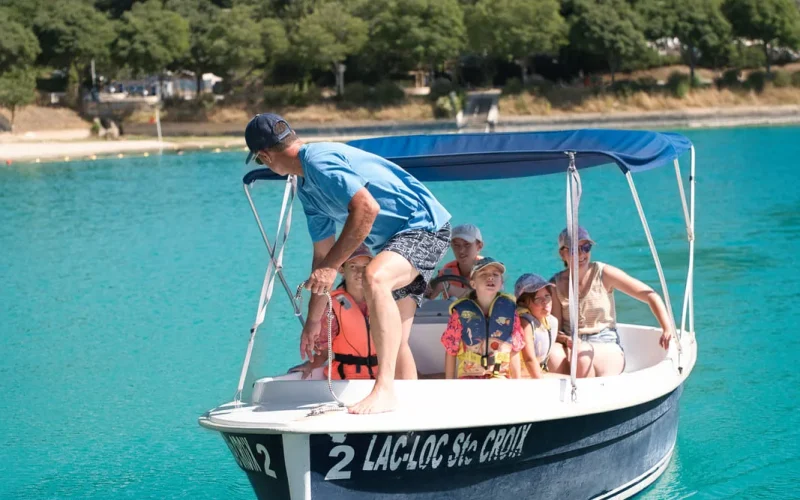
x=129, y=286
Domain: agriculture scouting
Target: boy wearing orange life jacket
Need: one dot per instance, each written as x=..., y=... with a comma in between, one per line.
x=484, y=335
x=466, y=242
x=353, y=348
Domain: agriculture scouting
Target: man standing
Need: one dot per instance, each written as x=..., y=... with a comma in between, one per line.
x=373, y=201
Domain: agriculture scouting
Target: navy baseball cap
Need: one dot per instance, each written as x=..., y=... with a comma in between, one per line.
x=264, y=131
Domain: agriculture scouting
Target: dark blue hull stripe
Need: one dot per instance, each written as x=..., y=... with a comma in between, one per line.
x=581, y=457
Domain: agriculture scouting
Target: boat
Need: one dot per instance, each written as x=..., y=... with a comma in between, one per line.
x=598, y=438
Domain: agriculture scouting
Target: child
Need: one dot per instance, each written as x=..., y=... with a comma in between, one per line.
x=535, y=303
x=353, y=348
x=466, y=242
x=483, y=337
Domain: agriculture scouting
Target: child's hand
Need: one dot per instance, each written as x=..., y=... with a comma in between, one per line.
x=304, y=368
x=564, y=339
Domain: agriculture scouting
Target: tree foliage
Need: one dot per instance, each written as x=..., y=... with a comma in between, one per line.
x=772, y=22
x=18, y=45
x=73, y=33
x=17, y=88
x=701, y=26
x=414, y=34
x=609, y=28
x=327, y=36
x=514, y=29
x=151, y=38
x=255, y=42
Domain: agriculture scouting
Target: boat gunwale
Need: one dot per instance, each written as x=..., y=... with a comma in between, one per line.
x=378, y=423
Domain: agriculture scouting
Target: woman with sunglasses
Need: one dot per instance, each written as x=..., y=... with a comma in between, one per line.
x=599, y=350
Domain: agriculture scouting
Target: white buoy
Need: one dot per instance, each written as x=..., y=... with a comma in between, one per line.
x=120, y=155
x=146, y=154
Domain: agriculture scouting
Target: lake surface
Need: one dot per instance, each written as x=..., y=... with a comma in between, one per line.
x=129, y=286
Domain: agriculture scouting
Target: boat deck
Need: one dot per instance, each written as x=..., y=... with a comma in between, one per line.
x=284, y=404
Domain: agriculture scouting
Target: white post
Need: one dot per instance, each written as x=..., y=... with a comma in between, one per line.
x=158, y=127
x=692, y=241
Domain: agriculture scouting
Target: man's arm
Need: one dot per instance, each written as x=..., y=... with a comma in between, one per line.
x=363, y=209
x=317, y=303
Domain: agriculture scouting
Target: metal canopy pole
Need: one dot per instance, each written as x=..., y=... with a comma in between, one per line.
x=653, y=250
x=274, y=268
x=574, y=191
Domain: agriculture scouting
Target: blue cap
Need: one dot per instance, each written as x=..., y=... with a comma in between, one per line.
x=486, y=262
x=264, y=131
x=530, y=283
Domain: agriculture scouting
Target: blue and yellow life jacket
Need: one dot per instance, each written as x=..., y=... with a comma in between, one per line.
x=486, y=343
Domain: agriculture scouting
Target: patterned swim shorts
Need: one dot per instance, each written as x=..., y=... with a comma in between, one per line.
x=424, y=250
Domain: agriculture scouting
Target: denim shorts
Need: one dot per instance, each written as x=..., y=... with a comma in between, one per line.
x=606, y=336
x=423, y=250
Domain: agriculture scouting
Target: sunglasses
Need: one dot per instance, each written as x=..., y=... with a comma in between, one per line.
x=585, y=248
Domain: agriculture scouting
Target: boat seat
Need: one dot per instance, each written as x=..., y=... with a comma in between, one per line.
x=426, y=332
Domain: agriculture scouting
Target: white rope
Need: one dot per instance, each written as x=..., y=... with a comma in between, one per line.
x=325, y=407
x=653, y=250
x=574, y=191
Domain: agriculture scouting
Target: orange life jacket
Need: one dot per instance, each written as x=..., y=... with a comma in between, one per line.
x=353, y=352
x=451, y=269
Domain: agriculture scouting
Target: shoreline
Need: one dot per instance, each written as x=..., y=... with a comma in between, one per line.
x=52, y=145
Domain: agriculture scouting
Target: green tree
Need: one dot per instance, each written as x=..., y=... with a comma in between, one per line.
x=608, y=28
x=24, y=11
x=326, y=37
x=222, y=40
x=17, y=88
x=515, y=29
x=71, y=33
x=151, y=38
x=771, y=22
x=700, y=26
x=18, y=45
x=414, y=34
x=657, y=16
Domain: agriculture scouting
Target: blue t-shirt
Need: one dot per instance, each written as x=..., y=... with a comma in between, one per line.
x=334, y=172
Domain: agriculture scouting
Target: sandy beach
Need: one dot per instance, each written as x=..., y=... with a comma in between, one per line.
x=60, y=145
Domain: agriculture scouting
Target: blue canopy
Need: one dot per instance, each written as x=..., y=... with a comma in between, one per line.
x=504, y=155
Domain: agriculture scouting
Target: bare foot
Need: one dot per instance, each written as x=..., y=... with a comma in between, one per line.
x=378, y=401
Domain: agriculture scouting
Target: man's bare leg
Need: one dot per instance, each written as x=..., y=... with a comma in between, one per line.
x=387, y=271
x=406, y=367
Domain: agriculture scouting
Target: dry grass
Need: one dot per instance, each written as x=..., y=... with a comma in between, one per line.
x=527, y=104
x=326, y=113
x=34, y=118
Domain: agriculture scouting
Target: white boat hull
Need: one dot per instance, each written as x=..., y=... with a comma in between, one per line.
x=465, y=438
x=608, y=455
